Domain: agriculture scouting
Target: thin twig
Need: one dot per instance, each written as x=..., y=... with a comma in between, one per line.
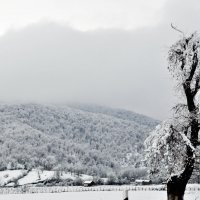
x=176, y=29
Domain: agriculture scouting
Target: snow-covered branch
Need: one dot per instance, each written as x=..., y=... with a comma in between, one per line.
x=166, y=150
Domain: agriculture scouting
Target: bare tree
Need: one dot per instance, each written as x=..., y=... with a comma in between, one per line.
x=173, y=144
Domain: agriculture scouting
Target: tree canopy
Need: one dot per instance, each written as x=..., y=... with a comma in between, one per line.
x=173, y=144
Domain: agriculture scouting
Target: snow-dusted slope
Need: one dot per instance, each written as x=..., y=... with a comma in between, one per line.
x=8, y=176
x=73, y=139
x=35, y=176
x=24, y=177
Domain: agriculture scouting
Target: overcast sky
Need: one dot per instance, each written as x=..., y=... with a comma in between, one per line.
x=107, y=52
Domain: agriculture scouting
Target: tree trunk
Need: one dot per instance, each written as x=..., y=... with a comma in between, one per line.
x=176, y=184
x=175, y=189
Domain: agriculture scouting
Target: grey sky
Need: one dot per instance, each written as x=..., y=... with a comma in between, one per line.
x=103, y=52
x=83, y=15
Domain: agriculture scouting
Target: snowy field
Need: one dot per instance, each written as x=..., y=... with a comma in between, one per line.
x=133, y=195
x=8, y=177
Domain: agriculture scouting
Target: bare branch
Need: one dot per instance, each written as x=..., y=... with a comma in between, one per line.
x=176, y=29
x=179, y=107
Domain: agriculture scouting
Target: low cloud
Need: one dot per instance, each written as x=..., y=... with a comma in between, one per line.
x=47, y=62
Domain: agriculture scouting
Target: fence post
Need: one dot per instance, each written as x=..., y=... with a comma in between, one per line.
x=125, y=195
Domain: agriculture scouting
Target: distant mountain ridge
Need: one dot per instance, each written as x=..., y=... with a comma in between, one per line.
x=118, y=113
x=91, y=140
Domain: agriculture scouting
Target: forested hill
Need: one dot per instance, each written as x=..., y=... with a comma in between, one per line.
x=118, y=113
x=91, y=140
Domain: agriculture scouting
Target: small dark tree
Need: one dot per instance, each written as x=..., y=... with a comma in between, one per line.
x=172, y=146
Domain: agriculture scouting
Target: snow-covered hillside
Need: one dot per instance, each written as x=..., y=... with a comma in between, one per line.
x=71, y=139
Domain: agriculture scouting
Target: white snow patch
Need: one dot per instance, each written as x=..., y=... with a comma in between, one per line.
x=10, y=175
x=67, y=176
x=36, y=176
x=85, y=177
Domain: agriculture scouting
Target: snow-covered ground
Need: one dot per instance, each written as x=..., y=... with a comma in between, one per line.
x=136, y=195
x=10, y=175
x=34, y=176
x=160, y=195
